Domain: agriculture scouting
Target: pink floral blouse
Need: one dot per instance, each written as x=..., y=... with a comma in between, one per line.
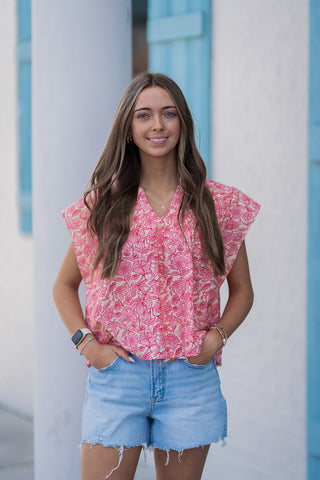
x=164, y=296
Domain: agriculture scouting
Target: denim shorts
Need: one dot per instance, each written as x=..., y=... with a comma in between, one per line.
x=167, y=405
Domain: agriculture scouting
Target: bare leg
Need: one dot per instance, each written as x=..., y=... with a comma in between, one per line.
x=97, y=462
x=186, y=466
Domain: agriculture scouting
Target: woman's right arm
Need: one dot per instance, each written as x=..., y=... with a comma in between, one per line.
x=65, y=293
x=66, y=297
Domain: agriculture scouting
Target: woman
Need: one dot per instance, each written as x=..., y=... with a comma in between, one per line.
x=153, y=240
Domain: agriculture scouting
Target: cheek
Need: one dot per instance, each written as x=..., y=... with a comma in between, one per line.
x=132, y=128
x=178, y=130
x=134, y=133
x=137, y=130
x=178, y=127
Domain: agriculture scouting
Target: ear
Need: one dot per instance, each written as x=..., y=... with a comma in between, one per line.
x=129, y=132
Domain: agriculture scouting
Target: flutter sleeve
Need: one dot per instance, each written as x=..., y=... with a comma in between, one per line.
x=236, y=212
x=76, y=217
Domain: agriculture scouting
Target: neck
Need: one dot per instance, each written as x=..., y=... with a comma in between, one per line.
x=158, y=176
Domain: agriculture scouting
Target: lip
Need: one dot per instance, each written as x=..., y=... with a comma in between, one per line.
x=157, y=140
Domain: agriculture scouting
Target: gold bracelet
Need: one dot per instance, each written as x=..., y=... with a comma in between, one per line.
x=222, y=332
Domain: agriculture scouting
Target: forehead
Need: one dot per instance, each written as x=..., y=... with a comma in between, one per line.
x=154, y=97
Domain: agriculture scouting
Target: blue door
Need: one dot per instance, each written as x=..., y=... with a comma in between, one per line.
x=313, y=336
x=24, y=112
x=179, y=44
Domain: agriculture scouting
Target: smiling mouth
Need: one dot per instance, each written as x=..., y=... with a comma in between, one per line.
x=158, y=141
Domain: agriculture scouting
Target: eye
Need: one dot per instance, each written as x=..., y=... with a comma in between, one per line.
x=170, y=114
x=142, y=115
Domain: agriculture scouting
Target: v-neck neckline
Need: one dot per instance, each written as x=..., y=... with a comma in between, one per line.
x=170, y=206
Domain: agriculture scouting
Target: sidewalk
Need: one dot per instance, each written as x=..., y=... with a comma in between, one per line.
x=16, y=446
x=16, y=450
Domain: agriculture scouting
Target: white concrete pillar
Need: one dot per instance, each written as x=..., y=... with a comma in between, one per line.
x=81, y=62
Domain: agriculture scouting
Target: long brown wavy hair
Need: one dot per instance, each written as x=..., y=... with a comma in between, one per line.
x=112, y=193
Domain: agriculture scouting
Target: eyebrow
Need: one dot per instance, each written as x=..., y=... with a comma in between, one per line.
x=147, y=108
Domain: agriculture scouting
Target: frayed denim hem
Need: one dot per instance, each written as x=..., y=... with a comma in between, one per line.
x=149, y=448
x=120, y=450
x=221, y=441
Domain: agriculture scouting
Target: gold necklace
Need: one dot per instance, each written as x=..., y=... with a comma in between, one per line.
x=162, y=205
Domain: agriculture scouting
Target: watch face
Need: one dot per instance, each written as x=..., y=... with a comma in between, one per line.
x=77, y=337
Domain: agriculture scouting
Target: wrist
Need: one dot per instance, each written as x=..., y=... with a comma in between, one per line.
x=90, y=349
x=216, y=339
x=220, y=331
x=88, y=339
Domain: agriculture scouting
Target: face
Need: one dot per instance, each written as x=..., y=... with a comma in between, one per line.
x=155, y=126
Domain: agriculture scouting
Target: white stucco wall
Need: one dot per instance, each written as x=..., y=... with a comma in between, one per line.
x=16, y=280
x=260, y=62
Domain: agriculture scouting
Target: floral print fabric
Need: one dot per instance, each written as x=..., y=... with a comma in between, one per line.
x=164, y=296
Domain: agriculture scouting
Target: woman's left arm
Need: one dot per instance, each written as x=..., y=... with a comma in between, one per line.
x=237, y=308
x=240, y=293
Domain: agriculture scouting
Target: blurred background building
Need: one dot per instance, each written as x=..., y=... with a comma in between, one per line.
x=250, y=70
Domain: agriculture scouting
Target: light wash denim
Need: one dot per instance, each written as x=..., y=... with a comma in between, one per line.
x=166, y=405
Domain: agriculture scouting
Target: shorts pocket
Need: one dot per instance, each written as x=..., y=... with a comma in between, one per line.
x=196, y=365
x=108, y=367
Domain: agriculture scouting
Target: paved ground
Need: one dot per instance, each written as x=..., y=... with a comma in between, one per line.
x=16, y=447
x=16, y=450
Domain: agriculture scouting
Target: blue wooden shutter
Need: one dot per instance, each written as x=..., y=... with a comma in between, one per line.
x=179, y=43
x=24, y=113
x=313, y=335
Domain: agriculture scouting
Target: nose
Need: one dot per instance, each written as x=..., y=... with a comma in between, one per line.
x=156, y=122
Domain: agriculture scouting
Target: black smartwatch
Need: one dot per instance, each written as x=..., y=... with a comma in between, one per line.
x=80, y=335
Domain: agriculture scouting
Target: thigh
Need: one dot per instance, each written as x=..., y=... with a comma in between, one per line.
x=185, y=465
x=117, y=463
